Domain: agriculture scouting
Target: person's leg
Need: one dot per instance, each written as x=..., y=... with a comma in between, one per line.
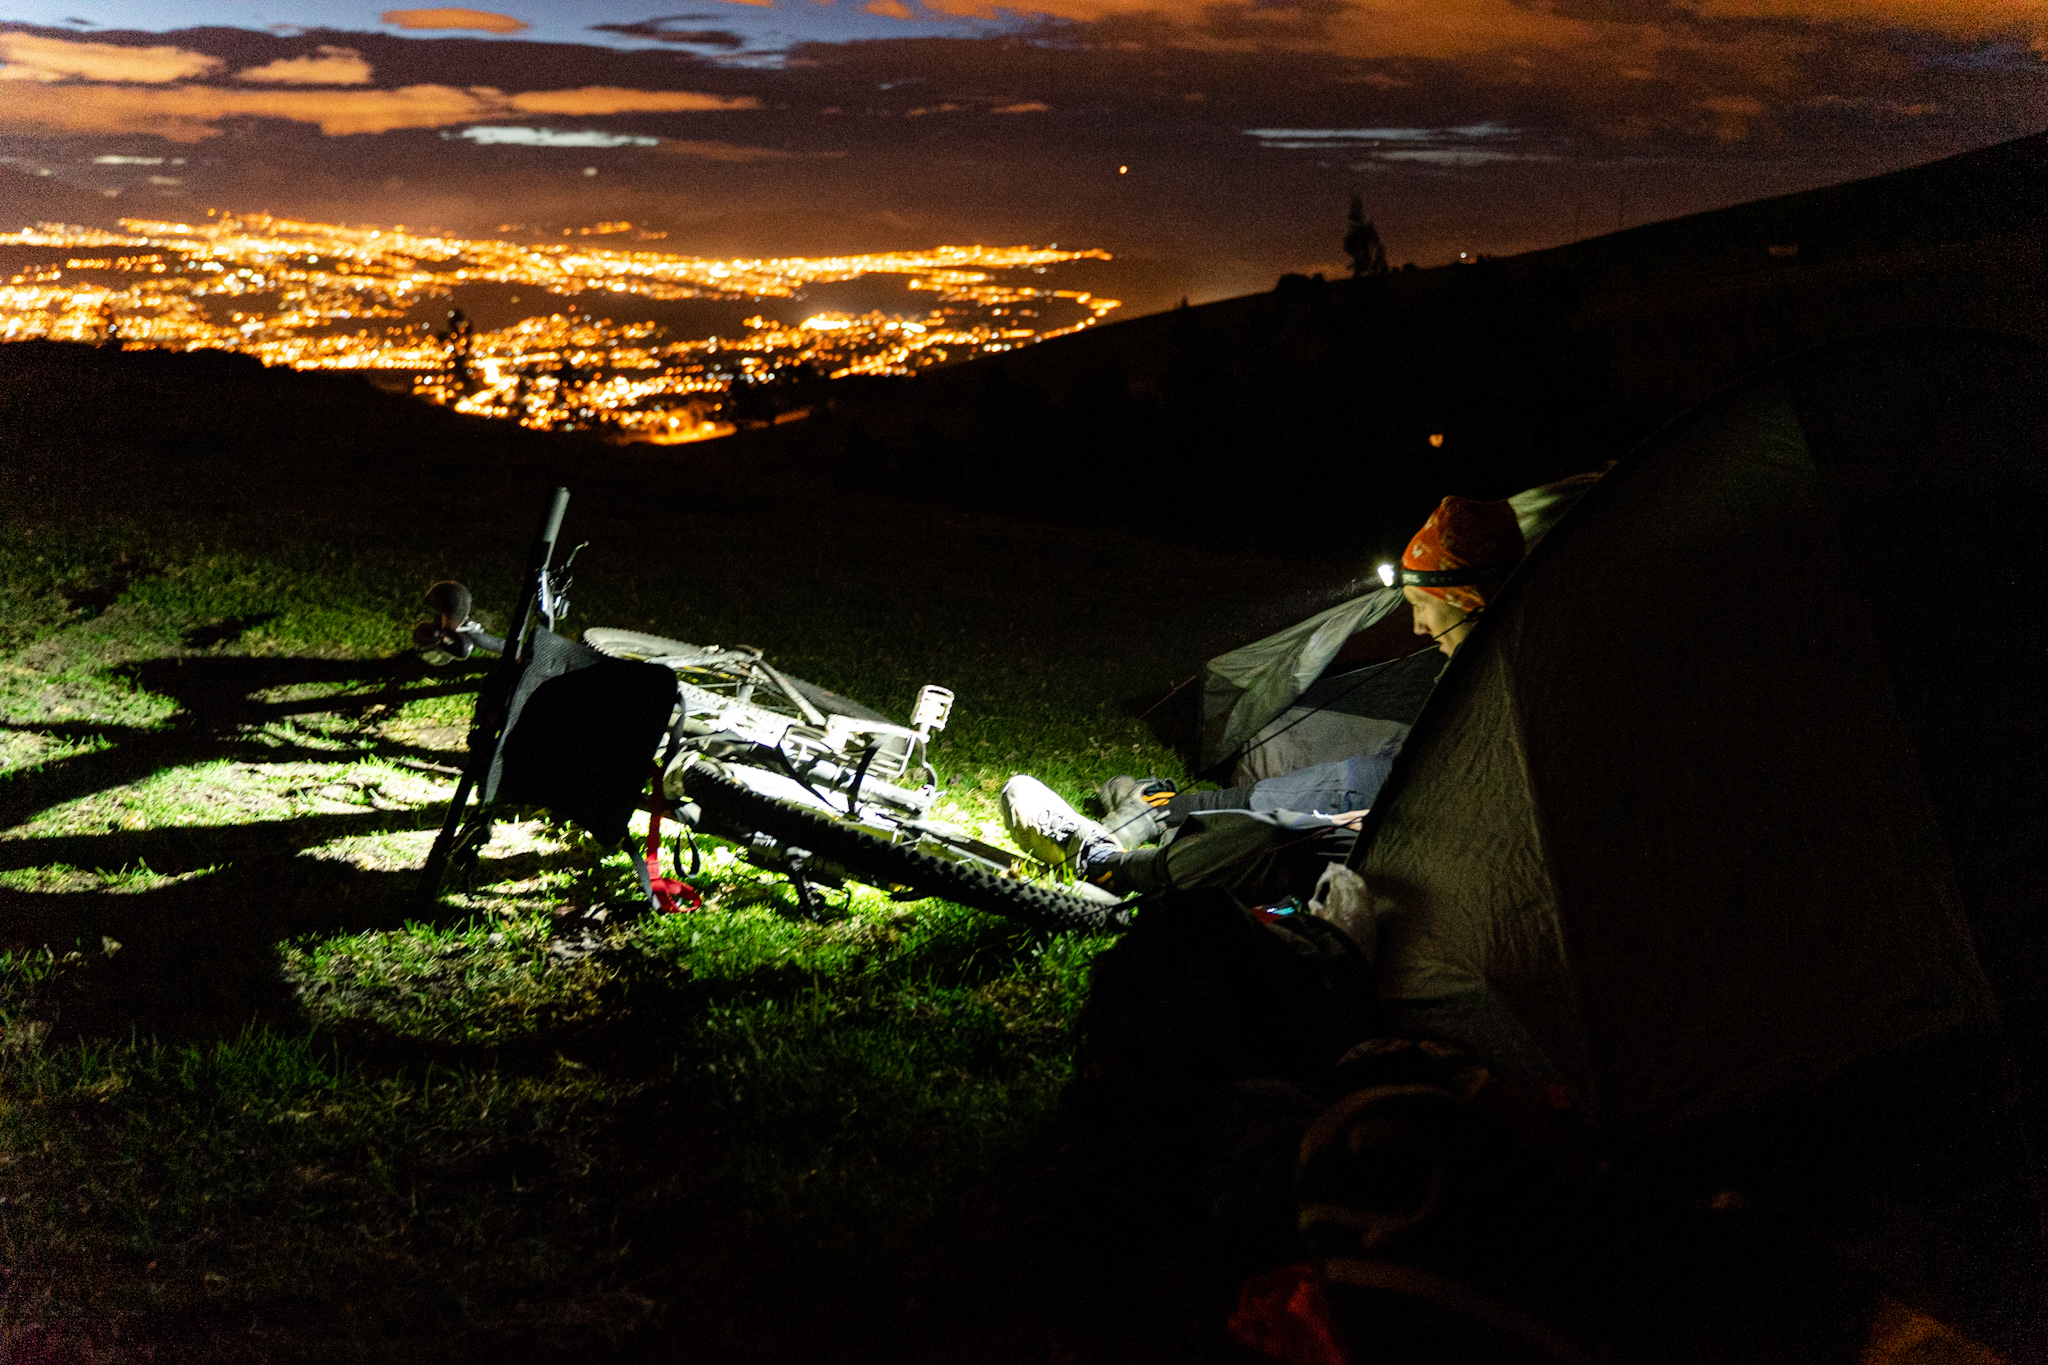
x=1049, y=829
x=1258, y=858
x=1327, y=788
x=1185, y=804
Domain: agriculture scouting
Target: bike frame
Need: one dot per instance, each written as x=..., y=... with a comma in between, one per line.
x=850, y=768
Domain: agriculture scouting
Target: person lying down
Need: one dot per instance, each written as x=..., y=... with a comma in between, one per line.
x=1271, y=840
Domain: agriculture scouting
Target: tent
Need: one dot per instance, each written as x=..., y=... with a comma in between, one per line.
x=1273, y=706
x=1740, y=782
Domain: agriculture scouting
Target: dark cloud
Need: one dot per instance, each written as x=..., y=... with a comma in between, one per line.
x=661, y=31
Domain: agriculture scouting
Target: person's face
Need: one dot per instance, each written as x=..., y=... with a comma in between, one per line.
x=1438, y=618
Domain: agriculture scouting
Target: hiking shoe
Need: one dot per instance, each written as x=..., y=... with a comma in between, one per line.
x=1134, y=805
x=1155, y=792
x=1052, y=831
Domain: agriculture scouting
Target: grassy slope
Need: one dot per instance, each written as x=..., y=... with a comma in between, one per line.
x=250, y=1108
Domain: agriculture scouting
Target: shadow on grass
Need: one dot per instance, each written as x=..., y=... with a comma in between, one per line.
x=227, y=632
x=221, y=690
x=198, y=956
x=217, y=701
x=178, y=849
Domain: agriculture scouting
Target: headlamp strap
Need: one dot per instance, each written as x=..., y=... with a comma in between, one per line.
x=1445, y=578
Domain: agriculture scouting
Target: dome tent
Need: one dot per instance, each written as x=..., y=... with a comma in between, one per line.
x=1723, y=793
x=1276, y=705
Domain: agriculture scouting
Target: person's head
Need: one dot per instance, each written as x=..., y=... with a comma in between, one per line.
x=1438, y=619
x=1455, y=563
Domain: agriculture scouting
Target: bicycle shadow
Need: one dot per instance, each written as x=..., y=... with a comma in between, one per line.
x=215, y=690
x=198, y=955
x=219, y=702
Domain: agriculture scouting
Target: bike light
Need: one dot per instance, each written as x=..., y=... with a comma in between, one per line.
x=934, y=705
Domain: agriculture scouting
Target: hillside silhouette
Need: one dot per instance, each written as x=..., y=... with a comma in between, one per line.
x=1307, y=417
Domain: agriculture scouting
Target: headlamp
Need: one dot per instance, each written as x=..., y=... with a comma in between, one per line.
x=1392, y=576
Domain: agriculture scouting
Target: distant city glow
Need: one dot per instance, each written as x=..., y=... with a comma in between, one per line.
x=282, y=290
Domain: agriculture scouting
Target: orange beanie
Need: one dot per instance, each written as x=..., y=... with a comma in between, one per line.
x=1466, y=534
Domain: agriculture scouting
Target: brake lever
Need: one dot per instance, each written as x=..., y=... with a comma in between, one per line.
x=556, y=597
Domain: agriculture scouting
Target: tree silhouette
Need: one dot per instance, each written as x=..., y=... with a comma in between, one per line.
x=1362, y=243
x=457, y=338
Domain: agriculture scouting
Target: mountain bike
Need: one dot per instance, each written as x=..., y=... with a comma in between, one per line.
x=806, y=782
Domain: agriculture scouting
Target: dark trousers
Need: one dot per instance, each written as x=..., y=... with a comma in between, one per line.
x=1259, y=857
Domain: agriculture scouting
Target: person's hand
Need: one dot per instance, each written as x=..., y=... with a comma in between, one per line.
x=1350, y=819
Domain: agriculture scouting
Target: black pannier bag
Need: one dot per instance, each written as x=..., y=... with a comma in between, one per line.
x=580, y=734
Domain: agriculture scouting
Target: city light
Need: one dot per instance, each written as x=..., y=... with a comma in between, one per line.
x=321, y=296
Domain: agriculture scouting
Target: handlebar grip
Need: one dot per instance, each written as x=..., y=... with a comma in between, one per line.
x=551, y=525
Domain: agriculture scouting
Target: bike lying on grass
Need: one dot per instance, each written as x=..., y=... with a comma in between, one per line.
x=808, y=783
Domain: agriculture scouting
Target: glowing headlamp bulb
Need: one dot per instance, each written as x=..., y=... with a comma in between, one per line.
x=1386, y=575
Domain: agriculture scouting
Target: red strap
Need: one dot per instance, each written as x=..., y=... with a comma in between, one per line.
x=666, y=889
x=1284, y=1315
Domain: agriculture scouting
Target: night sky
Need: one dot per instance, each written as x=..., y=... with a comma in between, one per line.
x=801, y=127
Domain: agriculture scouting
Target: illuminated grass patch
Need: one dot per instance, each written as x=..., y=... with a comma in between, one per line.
x=244, y=1073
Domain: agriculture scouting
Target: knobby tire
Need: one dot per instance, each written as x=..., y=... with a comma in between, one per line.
x=869, y=855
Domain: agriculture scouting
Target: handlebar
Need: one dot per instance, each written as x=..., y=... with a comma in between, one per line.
x=534, y=591
x=453, y=632
x=461, y=639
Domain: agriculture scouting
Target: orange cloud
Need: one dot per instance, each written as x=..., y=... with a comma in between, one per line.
x=454, y=16
x=1957, y=18
x=610, y=99
x=190, y=113
x=334, y=66
x=26, y=57
x=893, y=9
